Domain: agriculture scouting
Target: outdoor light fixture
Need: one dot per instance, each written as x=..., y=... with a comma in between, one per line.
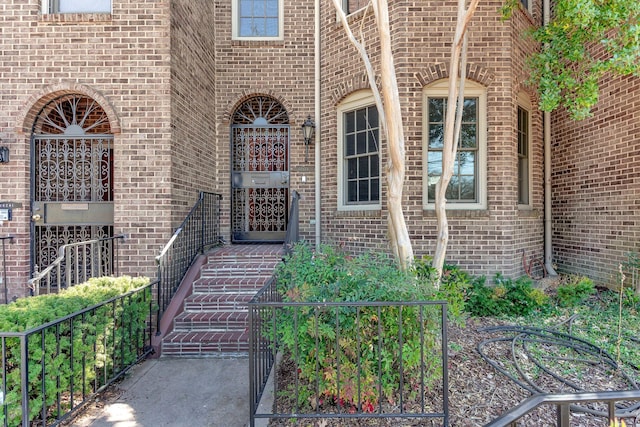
x=308, y=128
x=4, y=154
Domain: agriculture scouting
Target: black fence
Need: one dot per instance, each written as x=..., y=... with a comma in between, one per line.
x=3, y=271
x=77, y=263
x=50, y=371
x=199, y=231
x=348, y=359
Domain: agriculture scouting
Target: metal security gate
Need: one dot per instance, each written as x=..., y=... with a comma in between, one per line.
x=72, y=177
x=260, y=171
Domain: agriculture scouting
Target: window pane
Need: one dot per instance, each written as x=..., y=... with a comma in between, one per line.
x=466, y=163
x=350, y=144
x=246, y=8
x=84, y=6
x=272, y=8
x=363, y=167
x=453, y=189
x=375, y=190
x=469, y=114
x=375, y=166
x=352, y=191
x=373, y=117
x=468, y=136
x=271, y=27
x=436, y=136
x=258, y=18
x=363, y=188
x=435, y=163
x=373, y=140
x=467, y=188
x=352, y=168
x=350, y=122
x=436, y=106
x=361, y=139
x=246, y=27
x=361, y=119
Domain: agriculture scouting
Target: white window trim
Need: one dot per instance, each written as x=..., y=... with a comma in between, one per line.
x=235, y=24
x=360, y=99
x=48, y=5
x=524, y=102
x=471, y=90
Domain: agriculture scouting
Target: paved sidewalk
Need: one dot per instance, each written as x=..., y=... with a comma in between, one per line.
x=176, y=392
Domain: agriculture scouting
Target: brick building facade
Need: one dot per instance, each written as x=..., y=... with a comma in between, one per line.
x=177, y=81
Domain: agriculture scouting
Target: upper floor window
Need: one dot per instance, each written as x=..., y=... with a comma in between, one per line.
x=78, y=6
x=524, y=149
x=467, y=188
x=359, y=153
x=526, y=4
x=257, y=19
x=351, y=6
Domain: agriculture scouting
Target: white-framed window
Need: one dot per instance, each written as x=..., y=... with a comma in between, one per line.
x=524, y=150
x=352, y=6
x=76, y=6
x=257, y=19
x=468, y=186
x=358, y=153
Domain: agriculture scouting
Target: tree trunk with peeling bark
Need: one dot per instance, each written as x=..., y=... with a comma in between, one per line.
x=389, y=109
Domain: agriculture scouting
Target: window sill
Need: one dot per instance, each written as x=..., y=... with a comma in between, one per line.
x=458, y=213
x=70, y=18
x=251, y=42
x=356, y=213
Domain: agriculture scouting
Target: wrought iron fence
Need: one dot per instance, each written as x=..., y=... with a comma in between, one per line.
x=199, y=231
x=564, y=403
x=77, y=263
x=4, y=267
x=293, y=227
x=50, y=371
x=348, y=359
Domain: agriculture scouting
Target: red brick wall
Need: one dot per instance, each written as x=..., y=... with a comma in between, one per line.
x=120, y=59
x=596, y=183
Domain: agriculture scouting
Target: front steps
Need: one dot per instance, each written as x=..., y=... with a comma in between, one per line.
x=214, y=320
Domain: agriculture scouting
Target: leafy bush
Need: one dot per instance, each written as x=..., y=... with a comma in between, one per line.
x=75, y=356
x=576, y=291
x=506, y=298
x=344, y=352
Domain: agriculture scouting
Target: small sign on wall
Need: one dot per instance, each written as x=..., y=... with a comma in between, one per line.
x=5, y=214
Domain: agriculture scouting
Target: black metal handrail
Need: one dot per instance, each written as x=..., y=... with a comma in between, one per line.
x=77, y=263
x=265, y=311
x=4, y=266
x=563, y=403
x=293, y=227
x=96, y=345
x=200, y=230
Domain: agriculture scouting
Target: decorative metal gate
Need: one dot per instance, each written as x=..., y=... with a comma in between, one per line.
x=72, y=177
x=260, y=171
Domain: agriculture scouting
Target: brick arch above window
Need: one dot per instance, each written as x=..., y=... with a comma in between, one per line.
x=344, y=89
x=32, y=107
x=435, y=72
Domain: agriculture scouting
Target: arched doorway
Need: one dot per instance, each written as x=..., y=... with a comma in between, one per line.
x=71, y=176
x=259, y=171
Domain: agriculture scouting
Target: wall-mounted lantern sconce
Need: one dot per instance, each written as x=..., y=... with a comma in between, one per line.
x=4, y=154
x=308, y=129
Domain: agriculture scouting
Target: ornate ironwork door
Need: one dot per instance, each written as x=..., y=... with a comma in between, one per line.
x=260, y=171
x=72, y=176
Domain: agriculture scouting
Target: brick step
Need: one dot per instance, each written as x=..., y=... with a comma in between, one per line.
x=205, y=344
x=213, y=302
x=257, y=269
x=217, y=321
x=220, y=285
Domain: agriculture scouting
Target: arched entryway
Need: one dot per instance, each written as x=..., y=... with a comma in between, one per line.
x=71, y=176
x=259, y=170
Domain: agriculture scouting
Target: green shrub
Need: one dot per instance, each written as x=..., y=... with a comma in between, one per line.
x=317, y=338
x=575, y=292
x=74, y=356
x=506, y=298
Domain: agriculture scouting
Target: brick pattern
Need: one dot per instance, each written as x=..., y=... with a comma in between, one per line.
x=596, y=183
x=214, y=320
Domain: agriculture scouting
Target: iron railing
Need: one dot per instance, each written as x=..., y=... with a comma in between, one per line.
x=199, y=231
x=77, y=263
x=293, y=227
x=419, y=391
x=564, y=403
x=4, y=267
x=50, y=371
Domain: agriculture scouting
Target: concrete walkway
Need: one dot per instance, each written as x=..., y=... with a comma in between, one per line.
x=175, y=392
